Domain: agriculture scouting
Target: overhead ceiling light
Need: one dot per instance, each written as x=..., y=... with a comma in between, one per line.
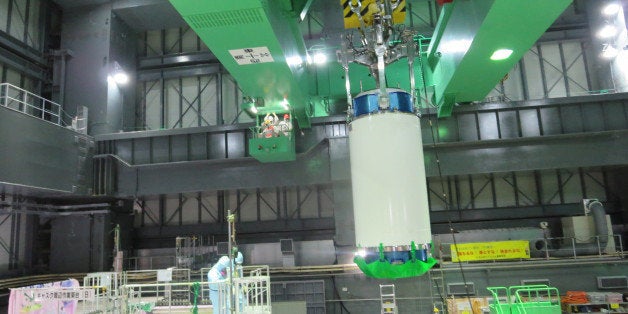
x=319, y=58
x=611, y=9
x=285, y=104
x=607, y=31
x=294, y=61
x=249, y=107
x=360, y=253
x=453, y=46
x=609, y=52
x=117, y=74
x=121, y=78
x=501, y=54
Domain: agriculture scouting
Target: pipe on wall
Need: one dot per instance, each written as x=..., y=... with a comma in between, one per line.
x=601, y=231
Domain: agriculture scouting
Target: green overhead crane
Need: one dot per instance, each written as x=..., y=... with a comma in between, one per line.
x=474, y=46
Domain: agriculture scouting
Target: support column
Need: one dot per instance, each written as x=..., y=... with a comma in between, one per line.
x=102, y=45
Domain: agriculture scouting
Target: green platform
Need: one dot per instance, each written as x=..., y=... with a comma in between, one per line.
x=272, y=149
x=533, y=299
x=276, y=148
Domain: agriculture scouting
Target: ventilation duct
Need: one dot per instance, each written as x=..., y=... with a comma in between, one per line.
x=600, y=230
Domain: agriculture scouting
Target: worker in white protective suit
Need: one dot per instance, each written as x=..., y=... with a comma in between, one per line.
x=218, y=273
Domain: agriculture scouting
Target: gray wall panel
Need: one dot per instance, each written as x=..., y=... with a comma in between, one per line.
x=572, y=115
x=467, y=127
x=590, y=123
x=217, y=147
x=529, y=123
x=160, y=149
x=142, y=150
x=615, y=115
x=550, y=121
x=198, y=146
x=125, y=149
x=509, y=124
x=204, y=176
x=179, y=146
x=488, y=126
x=237, y=142
x=39, y=154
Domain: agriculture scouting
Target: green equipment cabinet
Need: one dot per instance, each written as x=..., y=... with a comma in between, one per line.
x=272, y=137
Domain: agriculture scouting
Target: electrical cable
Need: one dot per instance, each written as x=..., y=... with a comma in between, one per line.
x=343, y=308
x=451, y=228
x=333, y=282
x=440, y=294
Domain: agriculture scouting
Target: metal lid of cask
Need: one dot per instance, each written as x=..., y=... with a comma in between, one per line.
x=367, y=102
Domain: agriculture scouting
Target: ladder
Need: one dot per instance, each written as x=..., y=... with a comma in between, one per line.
x=387, y=298
x=437, y=282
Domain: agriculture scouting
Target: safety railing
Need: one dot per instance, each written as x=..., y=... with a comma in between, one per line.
x=33, y=105
x=247, y=271
x=571, y=247
x=534, y=299
x=153, y=275
x=168, y=297
x=251, y=295
x=558, y=247
x=281, y=130
x=148, y=262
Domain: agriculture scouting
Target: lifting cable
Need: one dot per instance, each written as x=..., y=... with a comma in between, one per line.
x=447, y=207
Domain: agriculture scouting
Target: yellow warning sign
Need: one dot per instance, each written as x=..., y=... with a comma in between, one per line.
x=482, y=251
x=366, y=9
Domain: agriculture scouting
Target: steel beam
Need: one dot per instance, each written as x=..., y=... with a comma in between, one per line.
x=144, y=158
x=22, y=50
x=606, y=148
x=177, y=65
x=248, y=232
x=12, y=60
x=240, y=173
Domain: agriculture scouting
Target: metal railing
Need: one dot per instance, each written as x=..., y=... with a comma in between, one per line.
x=252, y=291
x=33, y=105
x=559, y=247
x=148, y=262
x=573, y=247
x=152, y=275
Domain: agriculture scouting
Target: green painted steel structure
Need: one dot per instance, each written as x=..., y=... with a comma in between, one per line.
x=252, y=39
x=467, y=34
x=455, y=68
x=272, y=145
x=532, y=299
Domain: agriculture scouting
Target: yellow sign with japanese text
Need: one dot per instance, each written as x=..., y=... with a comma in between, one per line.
x=483, y=251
